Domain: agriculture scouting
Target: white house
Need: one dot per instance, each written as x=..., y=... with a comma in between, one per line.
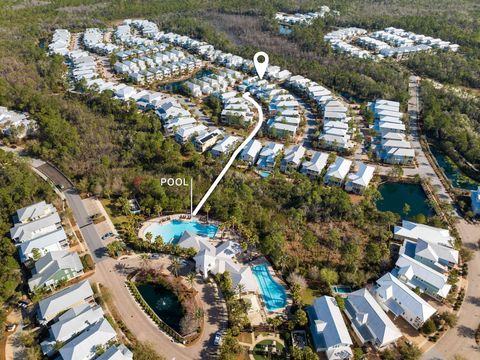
x=26, y=231
x=34, y=212
x=315, y=165
x=184, y=134
x=418, y=275
x=70, y=324
x=400, y=300
x=207, y=140
x=292, y=158
x=225, y=146
x=251, y=151
x=337, y=172
x=437, y=256
x=413, y=231
x=41, y=245
x=357, y=182
x=84, y=346
x=63, y=300
x=370, y=323
x=268, y=155
x=211, y=259
x=328, y=329
x=54, y=267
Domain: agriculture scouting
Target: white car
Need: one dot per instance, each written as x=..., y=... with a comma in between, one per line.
x=217, y=339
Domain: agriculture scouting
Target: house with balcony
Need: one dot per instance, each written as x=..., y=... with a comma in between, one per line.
x=337, y=172
x=397, y=298
x=292, y=158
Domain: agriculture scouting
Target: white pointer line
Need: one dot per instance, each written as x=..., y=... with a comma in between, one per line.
x=234, y=155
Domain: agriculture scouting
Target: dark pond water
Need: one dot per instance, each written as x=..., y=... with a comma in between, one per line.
x=164, y=302
x=395, y=195
x=452, y=172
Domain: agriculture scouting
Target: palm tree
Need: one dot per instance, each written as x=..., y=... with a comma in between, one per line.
x=175, y=266
x=207, y=209
x=191, y=279
x=240, y=289
x=158, y=209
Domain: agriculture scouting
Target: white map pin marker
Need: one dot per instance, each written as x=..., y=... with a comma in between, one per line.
x=261, y=67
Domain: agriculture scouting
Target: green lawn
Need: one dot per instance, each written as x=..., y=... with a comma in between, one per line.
x=308, y=295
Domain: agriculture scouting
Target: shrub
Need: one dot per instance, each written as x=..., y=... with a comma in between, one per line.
x=429, y=327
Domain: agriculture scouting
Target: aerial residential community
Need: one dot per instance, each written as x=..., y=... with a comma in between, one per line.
x=229, y=180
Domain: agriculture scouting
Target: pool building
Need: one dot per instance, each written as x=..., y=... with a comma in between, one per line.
x=213, y=260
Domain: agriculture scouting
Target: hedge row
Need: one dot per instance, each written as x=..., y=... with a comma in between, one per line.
x=161, y=324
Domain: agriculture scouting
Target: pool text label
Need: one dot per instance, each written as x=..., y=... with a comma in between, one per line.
x=174, y=182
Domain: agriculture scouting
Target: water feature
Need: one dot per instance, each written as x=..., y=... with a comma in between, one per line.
x=452, y=171
x=172, y=230
x=272, y=292
x=176, y=85
x=264, y=174
x=396, y=194
x=163, y=302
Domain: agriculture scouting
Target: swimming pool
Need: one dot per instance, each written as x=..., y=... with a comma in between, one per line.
x=264, y=174
x=341, y=289
x=172, y=230
x=273, y=293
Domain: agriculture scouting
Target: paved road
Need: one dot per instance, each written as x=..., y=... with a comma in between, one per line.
x=87, y=228
x=461, y=339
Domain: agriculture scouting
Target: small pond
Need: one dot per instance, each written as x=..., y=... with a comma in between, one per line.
x=452, y=171
x=164, y=302
x=396, y=194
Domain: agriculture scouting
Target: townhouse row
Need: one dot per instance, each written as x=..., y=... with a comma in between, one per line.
x=161, y=65
x=60, y=42
x=312, y=164
x=390, y=42
x=43, y=247
x=301, y=19
x=391, y=145
x=93, y=40
x=77, y=327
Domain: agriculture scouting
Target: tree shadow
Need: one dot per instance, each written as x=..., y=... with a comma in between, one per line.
x=465, y=331
x=475, y=300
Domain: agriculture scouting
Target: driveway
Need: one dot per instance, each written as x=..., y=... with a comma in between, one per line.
x=461, y=339
x=113, y=276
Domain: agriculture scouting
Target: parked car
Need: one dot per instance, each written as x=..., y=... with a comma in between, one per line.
x=107, y=235
x=217, y=339
x=11, y=327
x=22, y=304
